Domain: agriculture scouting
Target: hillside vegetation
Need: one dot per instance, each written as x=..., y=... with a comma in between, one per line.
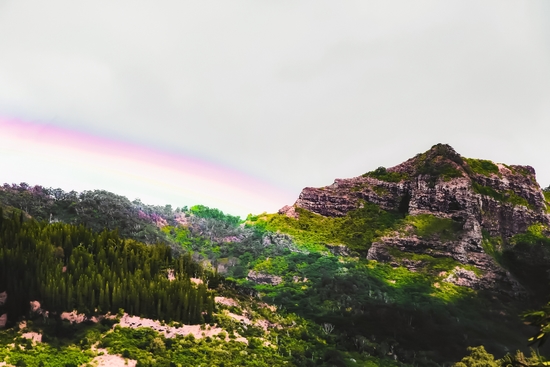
x=400, y=279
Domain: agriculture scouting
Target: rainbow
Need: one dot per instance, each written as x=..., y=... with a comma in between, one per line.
x=55, y=156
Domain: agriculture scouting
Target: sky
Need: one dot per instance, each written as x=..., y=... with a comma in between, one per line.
x=240, y=104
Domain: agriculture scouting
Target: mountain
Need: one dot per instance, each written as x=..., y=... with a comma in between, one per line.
x=404, y=266
x=468, y=210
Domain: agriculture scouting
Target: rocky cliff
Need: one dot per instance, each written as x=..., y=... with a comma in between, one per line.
x=485, y=200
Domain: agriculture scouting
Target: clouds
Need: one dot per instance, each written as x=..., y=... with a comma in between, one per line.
x=296, y=92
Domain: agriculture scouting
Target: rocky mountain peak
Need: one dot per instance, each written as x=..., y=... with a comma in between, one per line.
x=484, y=198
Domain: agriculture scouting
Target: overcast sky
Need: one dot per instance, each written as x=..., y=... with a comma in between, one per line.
x=289, y=93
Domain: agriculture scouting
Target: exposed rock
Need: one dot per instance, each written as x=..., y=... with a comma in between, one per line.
x=226, y=301
x=441, y=183
x=77, y=318
x=196, y=281
x=32, y=336
x=339, y=250
x=36, y=308
x=224, y=264
x=281, y=241
x=297, y=279
x=463, y=277
x=262, y=278
x=111, y=360
x=422, y=193
x=171, y=274
x=136, y=322
x=289, y=211
x=3, y=320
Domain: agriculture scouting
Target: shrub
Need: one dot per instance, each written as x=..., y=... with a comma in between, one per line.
x=533, y=236
x=482, y=166
x=383, y=174
x=429, y=226
x=478, y=358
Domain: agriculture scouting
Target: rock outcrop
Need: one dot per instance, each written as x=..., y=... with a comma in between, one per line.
x=484, y=197
x=263, y=278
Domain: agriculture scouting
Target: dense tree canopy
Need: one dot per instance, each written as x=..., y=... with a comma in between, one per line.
x=72, y=267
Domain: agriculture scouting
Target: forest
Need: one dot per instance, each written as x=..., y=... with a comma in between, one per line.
x=73, y=268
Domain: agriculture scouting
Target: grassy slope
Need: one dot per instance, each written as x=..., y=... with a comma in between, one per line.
x=373, y=307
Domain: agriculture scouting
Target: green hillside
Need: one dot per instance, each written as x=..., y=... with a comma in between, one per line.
x=439, y=261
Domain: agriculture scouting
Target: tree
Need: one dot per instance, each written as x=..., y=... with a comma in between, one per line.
x=541, y=320
x=478, y=358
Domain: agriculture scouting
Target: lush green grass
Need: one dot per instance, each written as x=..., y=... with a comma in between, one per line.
x=431, y=227
x=356, y=230
x=508, y=196
x=546, y=193
x=492, y=246
x=432, y=265
x=382, y=174
x=482, y=166
x=533, y=236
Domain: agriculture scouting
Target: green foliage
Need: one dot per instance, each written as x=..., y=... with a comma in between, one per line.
x=286, y=348
x=43, y=355
x=383, y=174
x=508, y=196
x=18, y=351
x=202, y=211
x=535, y=235
x=478, y=358
x=441, y=161
x=430, y=226
x=380, y=190
x=546, y=193
x=331, y=310
x=492, y=245
x=482, y=166
x=436, y=169
x=520, y=360
x=540, y=319
x=74, y=268
x=429, y=264
x=356, y=230
x=98, y=210
x=276, y=266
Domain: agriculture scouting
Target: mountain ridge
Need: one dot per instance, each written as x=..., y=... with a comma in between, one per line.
x=448, y=248
x=486, y=199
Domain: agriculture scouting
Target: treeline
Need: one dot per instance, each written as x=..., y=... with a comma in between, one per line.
x=68, y=267
x=100, y=209
x=96, y=209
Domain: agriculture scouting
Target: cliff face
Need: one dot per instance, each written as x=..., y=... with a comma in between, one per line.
x=485, y=199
